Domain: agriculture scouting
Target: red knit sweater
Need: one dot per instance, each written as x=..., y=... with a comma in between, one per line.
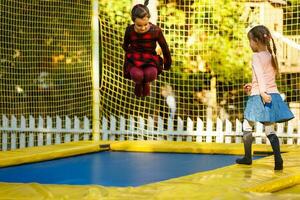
x=140, y=49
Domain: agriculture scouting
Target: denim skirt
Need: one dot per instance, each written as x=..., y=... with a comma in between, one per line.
x=276, y=111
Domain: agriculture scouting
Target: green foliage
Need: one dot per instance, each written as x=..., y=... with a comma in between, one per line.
x=173, y=21
x=208, y=37
x=116, y=12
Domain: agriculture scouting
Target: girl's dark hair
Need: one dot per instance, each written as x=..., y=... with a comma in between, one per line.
x=140, y=11
x=263, y=35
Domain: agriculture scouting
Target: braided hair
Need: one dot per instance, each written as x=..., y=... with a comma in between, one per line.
x=262, y=34
x=146, y=2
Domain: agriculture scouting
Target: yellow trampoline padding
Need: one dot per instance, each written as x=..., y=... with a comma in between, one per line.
x=277, y=184
x=291, y=190
x=192, y=147
x=36, y=154
x=258, y=181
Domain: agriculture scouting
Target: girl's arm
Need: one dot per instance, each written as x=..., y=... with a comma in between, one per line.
x=165, y=49
x=126, y=41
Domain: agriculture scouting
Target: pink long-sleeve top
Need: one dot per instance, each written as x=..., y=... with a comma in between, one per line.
x=263, y=74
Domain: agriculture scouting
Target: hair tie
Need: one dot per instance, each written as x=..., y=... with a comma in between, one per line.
x=268, y=36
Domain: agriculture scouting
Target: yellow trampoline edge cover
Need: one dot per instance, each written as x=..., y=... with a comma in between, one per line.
x=235, y=181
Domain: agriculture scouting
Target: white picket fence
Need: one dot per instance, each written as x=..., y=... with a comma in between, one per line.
x=20, y=133
x=219, y=131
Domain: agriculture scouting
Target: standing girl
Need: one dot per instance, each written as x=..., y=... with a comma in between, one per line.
x=265, y=104
x=142, y=64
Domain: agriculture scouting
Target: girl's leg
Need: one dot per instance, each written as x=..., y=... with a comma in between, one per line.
x=137, y=75
x=247, y=139
x=146, y=89
x=269, y=129
x=150, y=74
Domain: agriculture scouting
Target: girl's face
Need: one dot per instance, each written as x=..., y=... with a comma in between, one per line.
x=141, y=25
x=254, y=44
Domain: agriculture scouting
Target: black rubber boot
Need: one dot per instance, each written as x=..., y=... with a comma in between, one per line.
x=247, y=159
x=276, y=151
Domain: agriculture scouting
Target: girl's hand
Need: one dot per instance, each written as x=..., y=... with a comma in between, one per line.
x=247, y=88
x=266, y=98
x=158, y=51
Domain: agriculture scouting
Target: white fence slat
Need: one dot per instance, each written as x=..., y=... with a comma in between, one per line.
x=31, y=123
x=259, y=133
x=280, y=131
x=23, y=123
x=199, y=130
x=190, y=129
x=4, y=134
x=13, y=136
x=22, y=140
x=238, y=131
x=31, y=128
x=131, y=128
x=170, y=129
x=150, y=127
x=209, y=129
x=31, y=140
x=58, y=127
x=22, y=135
x=5, y=121
x=160, y=128
x=86, y=128
x=4, y=141
x=290, y=130
x=104, y=129
x=141, y=128
x=112, y=127
x=228, y=131
x=122, y=128
x=68, y=127
x=40, y=134
x=77, y=128
x=280, y=128
x=13, y=140
x=13, y=122
x=219, y=131
x=179, y=129
x=49, y=127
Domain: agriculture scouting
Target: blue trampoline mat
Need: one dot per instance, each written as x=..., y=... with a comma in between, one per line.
x=115, y=168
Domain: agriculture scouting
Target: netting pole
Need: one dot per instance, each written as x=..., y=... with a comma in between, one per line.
x=95, y=71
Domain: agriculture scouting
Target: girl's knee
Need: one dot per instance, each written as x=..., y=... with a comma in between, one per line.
x=150, y=74
x=137, y=75
x=269, y=129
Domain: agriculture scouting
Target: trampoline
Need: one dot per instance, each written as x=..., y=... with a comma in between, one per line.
x=191, y=171
x=115, y=168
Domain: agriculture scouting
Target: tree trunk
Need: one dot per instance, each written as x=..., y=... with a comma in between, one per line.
x=212, y=100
